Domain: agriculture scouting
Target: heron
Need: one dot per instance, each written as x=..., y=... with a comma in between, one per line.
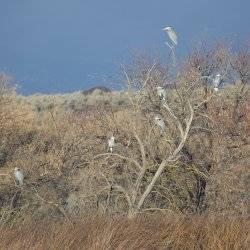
x=111, y=144
x=19, y=176
x=161, y=92
x=171, y=34
x=216, y=81
x=160, y=123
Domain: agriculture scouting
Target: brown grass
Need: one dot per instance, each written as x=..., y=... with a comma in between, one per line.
x=120, y=233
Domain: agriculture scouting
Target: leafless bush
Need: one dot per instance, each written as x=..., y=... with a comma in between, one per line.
x=148, y=165
x=188, y=167
x=240, y=64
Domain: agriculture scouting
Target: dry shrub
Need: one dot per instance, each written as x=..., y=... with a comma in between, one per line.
x=184, y=183
x=76, y=102
x=16, y=119
x=70, y=171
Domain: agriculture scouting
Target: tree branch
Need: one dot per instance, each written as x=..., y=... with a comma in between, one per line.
x=165, y=161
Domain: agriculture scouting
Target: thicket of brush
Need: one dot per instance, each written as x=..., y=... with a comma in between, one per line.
x=199, y=165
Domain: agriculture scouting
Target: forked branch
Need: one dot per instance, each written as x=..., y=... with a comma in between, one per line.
x=165, y=161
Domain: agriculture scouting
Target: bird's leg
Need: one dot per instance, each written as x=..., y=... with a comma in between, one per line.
x=173, y=53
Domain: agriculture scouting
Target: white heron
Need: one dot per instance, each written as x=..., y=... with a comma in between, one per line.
x=171, y=34
x=161, y=92
x=217, y=82
x=111, y=144
x=19, y=176
x=160, y=123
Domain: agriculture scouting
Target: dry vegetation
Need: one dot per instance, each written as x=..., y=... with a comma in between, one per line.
x=140, y=233
x=73, y=102
x=192, y=179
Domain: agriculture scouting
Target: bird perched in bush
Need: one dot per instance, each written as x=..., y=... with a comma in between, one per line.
x=159, y=122
x=19, y=176
x=111, y=144
x=171, y=34
x=217, y=82
x=161, y=92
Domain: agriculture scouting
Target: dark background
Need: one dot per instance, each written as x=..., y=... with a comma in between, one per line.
x=67, y=45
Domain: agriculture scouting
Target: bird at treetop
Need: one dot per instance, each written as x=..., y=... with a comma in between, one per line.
x=171, y=34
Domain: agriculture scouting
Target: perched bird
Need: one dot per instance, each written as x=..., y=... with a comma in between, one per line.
x=161, y=93
x=171, y=33
x=111, y=144
x=159, y=122
x=19, y=176
x=217, y=82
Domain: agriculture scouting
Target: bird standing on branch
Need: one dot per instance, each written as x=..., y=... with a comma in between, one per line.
x=19, y=176
x=160, y=123
x=111, y=144
x=161, y=93
x=171, y=34
x=217, y=82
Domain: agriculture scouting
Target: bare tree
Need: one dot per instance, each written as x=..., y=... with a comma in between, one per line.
x=140, y=157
